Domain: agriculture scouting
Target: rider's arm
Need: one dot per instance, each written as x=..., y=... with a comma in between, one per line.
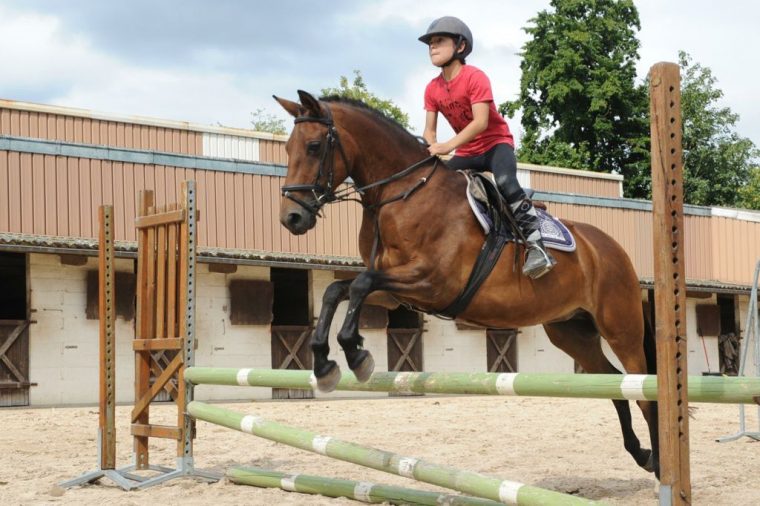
x=477, y=125
x=431, y=127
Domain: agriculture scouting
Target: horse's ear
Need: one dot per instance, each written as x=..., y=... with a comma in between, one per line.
x=293, y=108
x=310, y=103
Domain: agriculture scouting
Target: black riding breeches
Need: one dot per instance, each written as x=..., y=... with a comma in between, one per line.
x=500, y=160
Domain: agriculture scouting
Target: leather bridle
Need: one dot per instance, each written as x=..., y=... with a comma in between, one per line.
x=322, y=194
x=327, y=194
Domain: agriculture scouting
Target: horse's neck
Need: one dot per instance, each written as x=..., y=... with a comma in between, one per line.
x=381, y=154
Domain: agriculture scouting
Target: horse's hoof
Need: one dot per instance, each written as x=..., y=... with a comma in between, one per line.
x=364, y=370
x=649, y=466
x=329, y=381
x=652, y=465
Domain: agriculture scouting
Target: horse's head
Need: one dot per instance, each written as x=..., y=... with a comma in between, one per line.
x=317, y=163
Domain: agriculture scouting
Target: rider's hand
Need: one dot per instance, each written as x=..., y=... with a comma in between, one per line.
x=439, y=148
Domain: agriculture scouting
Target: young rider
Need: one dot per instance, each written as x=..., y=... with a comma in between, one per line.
x=462, y=93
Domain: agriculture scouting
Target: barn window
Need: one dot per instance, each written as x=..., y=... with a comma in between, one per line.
x=124, y=293
x=708, y=320
x=251, y=302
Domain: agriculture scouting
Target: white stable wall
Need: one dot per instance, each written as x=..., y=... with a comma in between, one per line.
x=535, y=353
x=63, y=354
x=447, y=349
x=64, y=344
x=221, y=344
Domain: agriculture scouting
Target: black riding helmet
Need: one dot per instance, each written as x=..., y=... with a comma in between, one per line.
x=454, y=28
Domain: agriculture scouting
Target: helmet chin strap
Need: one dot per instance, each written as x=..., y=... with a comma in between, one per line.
x=455, y=55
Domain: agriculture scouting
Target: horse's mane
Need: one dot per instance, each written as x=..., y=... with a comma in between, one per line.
x=376, y=113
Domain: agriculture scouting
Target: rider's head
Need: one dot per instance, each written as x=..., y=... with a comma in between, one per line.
x=449, y=39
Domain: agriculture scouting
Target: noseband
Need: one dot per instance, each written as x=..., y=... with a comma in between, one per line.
x=322, y=195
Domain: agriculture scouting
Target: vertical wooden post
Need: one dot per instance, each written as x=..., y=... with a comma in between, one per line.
x=143, y=326
x=670, y=282
x=106, y=308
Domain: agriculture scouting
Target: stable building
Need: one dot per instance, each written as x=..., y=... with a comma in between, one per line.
x=259, y=288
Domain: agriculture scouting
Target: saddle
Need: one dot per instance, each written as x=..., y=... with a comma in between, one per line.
x=499, y=227
x=489, y=209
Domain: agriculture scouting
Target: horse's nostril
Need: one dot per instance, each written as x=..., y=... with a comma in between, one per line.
x=294, y=219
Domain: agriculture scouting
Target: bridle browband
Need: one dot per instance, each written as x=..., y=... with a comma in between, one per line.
x=327, y=194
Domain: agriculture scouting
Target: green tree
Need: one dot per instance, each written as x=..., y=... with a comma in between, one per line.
x=357, y=90
x=720, y=166
x=749, y=195
x=581, y=107
x=266, y=122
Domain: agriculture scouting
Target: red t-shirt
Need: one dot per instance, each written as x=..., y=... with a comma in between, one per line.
x=454, y=100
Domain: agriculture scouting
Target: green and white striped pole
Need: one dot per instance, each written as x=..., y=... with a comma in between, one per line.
x=468, y=482
x=358, y=490
x=728, y=390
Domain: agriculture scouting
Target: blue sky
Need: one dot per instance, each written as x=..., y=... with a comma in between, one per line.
x=215, y=62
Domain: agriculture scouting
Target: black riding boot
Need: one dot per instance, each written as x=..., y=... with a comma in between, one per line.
x=538, y=261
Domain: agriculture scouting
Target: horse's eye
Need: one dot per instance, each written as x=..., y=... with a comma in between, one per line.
x=313, y=147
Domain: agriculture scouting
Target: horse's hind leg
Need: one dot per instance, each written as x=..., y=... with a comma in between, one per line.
x=580, y=339
x=631, y=339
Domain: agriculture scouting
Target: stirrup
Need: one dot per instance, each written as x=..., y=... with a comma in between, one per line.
x=540, y=269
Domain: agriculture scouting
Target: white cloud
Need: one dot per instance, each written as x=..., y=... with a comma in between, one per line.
x=35, y=51
x=493, y=22
x=47, y=60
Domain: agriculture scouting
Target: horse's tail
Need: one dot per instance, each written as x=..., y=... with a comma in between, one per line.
x=650, y=345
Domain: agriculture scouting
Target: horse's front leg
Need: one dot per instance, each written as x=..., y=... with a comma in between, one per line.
x=327, y=371
x=359, y=360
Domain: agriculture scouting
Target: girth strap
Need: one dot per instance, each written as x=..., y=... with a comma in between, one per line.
x=484, y=264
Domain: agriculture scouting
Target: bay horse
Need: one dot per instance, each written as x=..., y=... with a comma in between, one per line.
x=419, y=241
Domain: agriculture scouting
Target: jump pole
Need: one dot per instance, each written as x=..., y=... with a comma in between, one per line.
x=468, y=482
x=358, y=490
x=670, y=282
x=634, y=387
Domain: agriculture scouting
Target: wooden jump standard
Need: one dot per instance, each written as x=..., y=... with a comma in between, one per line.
x=164, y=341
x=107, y=370
x=635, y=387
x=669, y=282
